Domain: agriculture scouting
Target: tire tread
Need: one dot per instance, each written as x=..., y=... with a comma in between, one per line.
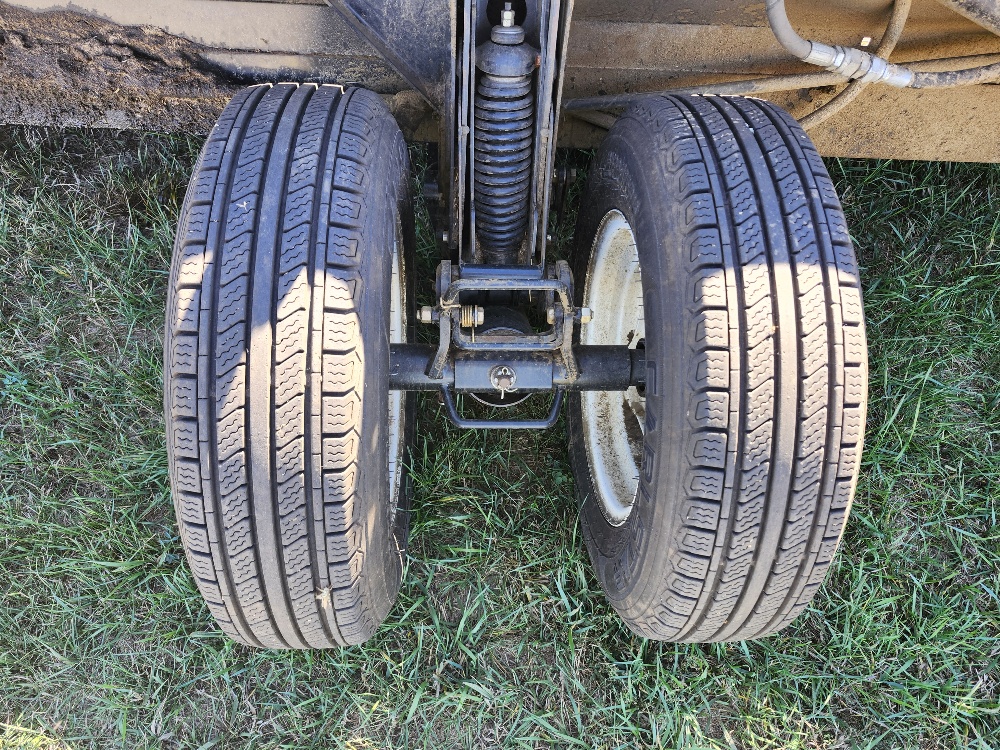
x=778, y=373
x=263, y=315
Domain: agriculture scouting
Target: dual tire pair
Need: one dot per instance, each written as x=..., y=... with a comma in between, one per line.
x=710, y=234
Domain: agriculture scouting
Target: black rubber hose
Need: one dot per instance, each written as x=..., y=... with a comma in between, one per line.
x=952, y=78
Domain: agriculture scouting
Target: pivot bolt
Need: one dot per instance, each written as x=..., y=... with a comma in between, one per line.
x=586, y=315
x=426, y=314
x=503, y=379
x=550, y=316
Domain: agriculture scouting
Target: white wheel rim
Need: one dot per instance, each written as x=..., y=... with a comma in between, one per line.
x=397, y=335
x=614, y=421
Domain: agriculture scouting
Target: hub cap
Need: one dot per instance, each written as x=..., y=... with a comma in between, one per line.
x=614, y=422
x=397, y=335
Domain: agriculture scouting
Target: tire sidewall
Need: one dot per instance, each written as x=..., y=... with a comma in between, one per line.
x=628, y=176
x=388, y=206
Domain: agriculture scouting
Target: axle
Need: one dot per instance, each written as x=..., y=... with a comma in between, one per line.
x=602, y=368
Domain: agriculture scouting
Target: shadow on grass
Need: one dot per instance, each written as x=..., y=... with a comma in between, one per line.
x=501, y=636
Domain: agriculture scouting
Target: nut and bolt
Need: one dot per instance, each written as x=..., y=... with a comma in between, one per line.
x=507, y=16
x=584, y=314
x=469, y=316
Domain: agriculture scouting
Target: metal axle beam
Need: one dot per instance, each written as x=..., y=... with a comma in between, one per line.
x=602, y=368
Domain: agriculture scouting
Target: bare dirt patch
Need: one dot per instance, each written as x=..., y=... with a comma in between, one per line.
x=66, y=69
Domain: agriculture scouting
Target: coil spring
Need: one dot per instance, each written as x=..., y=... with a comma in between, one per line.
x=471, y=316
x=504, y=123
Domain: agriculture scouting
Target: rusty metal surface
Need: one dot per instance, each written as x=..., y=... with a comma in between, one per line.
x=986, y=13
x=933, y=125
x=417, y=39
x=171, y=64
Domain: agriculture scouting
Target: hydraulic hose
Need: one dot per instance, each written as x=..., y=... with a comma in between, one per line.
x=804, y=49
x=590, y=108
x=863, y=66
x=949, y=79
x=845, y=61
x=893, y=31
x=783, y=31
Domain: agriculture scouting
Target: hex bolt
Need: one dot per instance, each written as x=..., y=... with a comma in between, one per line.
x=444, y=237
x=507, y=16
x=550, y=316
x=426, y=314
x=586, y=315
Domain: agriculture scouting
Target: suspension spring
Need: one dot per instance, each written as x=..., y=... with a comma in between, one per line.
x=505, y=118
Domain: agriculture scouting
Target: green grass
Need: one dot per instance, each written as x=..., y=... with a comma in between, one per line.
x=501, y=636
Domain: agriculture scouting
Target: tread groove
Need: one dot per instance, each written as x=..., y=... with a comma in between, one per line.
x=735, y=433
x=756, y=579
x=332, y=124
x=817, y=529
x=752, y=442
x=223, y=560
x=270, y=306
x=259, y=390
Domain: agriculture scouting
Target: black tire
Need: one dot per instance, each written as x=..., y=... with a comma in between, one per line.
x=757, y=380
x=276, y=372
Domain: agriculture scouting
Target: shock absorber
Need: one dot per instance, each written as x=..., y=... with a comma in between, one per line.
x=505, y=118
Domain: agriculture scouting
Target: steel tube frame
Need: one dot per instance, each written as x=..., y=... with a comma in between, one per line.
x=602, y=368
